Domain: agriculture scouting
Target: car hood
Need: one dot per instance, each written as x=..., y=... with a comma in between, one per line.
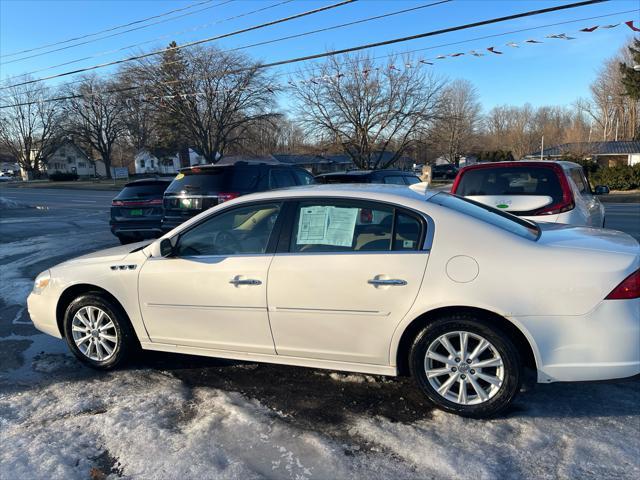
x=586, y=238
x=108, y=255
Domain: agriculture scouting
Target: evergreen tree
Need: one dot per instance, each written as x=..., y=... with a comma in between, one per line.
x=630, y=76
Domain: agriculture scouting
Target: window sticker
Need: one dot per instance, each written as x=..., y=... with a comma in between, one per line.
x=326, y=225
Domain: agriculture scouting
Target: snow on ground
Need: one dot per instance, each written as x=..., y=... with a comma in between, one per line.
x=183, y=419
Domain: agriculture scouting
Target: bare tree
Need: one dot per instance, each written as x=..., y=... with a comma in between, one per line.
x=215, y=96
x=365, y=108
x=453, y=132
x=96, y=116
x=29, y=126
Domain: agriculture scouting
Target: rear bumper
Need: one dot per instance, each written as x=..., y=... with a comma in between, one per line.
x=603, y=344
x=138, y=228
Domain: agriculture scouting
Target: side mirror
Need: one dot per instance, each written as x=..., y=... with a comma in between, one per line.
x=167, y=248
x=601, y=190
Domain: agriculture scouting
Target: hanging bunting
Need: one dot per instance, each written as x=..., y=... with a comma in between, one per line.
x=408, y=65
x=561, y=36
x=456, y=54
x=493, y=50
x=614, y=25
x=589, y=29
x=476, y=54
x=425, y=62
x=440, y=57
x=532, y=41
x=513, y=44
x=631, y=26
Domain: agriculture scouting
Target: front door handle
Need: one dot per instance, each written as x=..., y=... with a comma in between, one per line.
x=237, y=281
x=383, y=282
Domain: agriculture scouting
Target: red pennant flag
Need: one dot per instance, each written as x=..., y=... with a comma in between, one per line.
x=631, y=26
x=456, y=54
x=589, y=30
x=493, y=50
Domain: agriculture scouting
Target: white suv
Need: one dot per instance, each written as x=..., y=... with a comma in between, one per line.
x=543, y=191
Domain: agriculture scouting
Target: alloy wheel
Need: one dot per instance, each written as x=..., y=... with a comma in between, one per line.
x=464, y=368
x=94, y=333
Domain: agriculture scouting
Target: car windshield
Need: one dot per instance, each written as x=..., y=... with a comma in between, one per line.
x=145, y=190
x=516, y=225
x=213, y=180
x=510, y=181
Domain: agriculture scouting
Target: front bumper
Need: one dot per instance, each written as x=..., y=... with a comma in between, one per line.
x=42, y=310
x=600, y=345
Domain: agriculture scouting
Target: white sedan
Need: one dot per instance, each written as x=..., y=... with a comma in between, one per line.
x=376, y=279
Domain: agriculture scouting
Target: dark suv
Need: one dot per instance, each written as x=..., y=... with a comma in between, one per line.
x=136, y=212
x=196, y=189
x=396, y=177
x=445, y=172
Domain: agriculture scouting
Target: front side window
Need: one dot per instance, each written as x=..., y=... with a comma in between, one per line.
x=281, y=178
x=394, y=180
x=239, y=231
x=345, y=226
x=579, y=179
x=303, y=178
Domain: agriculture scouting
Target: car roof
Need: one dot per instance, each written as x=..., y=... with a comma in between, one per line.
x=242, y=163
x=358, y=173
x=363, y=191
x=147, y=181
x=523, y=163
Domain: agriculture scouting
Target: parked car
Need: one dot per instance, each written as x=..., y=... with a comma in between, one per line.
x=195, y=189
x=394, y=177
x=444, y=172
x=543, y=191
x=379, y=280
x=136, y=212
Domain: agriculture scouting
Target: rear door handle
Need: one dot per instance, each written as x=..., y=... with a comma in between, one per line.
x=383, y=282
x=244, y=281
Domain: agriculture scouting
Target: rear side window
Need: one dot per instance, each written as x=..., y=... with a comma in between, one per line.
x=214, y=180
x=353, y=226
x=510, y=181
x=510, y=223
x=150, y=190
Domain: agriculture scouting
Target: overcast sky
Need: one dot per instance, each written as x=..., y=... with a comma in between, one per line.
x=554, y=72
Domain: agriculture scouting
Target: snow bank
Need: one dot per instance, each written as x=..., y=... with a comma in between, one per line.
x=7, y=203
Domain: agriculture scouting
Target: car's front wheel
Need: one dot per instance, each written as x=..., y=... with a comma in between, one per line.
x=98, y=332
x=465, y=366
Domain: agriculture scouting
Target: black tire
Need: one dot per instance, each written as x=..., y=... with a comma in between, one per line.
x=127, y=343
x=512, y=366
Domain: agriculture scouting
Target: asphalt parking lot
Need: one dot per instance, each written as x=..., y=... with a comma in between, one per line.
x=218, y=419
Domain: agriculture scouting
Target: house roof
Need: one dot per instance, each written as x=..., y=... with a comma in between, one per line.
x=592, y=148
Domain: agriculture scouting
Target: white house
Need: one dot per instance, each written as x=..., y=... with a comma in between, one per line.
x=146, y=162
x=70, y=158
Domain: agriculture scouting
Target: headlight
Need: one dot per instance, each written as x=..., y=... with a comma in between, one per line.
x=42, y=281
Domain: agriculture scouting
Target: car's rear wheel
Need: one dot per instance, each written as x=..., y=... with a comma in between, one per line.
x=465, y=366
x=98, y=332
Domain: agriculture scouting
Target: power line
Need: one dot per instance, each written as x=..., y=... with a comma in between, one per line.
x=118, y=33
x=326, y=29
x=191, y=44
x=362, y=47
x=106, y=30
x=432, y=33
x=162, y=37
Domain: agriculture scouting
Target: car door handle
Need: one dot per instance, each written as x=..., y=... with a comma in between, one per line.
x=244, y=281
x=390, y=281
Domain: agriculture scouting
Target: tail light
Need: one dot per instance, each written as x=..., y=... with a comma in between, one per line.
x=628, y=289
x=225, y=197
x=117, y=203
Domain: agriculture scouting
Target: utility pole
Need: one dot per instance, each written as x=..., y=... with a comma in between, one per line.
x=542, y=149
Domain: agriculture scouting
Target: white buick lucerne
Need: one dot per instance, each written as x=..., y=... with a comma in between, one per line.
x=377, y=279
